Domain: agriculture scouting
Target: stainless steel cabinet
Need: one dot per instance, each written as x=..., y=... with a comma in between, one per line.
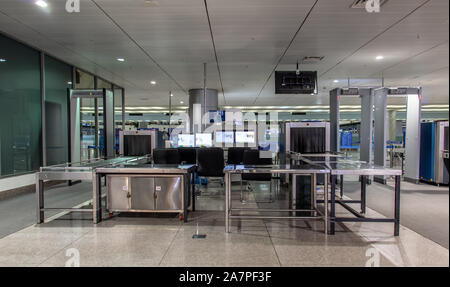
x=145, y=193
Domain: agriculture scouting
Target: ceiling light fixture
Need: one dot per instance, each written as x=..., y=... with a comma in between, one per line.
x=41, y=3
x=380, y=57
x=171, y=95
x=2, y=60
x=181, y=102
x=69, y=83
x=121, y=59
x=153, y=82
x=336, y=81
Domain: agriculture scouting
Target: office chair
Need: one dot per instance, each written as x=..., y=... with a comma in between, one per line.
x=251, y=157
x=166, y=156
x=210, y=162
x=236, y=155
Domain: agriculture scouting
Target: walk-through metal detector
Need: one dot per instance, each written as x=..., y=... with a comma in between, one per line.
x=366, y=126
x=75, y=97
x=374, y=109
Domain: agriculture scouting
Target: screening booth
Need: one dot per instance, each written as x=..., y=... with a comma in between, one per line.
x=374, y=122
x=434, y=161
x=304, y=138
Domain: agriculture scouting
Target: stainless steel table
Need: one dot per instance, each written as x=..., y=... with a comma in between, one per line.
x=340, y=166
x=186, y=172
x=306, y=169
x=84, y=170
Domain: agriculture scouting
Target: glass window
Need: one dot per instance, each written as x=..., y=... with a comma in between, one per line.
x=57, y=79
x=20, y=108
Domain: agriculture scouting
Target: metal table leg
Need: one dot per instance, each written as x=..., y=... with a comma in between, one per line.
x=97, y=197
x=39, y=200
x=341, y=185
x=397, y=206
x=193, y=190
x=363, y=193
x=186, y=189
x=227, y=202
x=325, y=197
x=333, y=202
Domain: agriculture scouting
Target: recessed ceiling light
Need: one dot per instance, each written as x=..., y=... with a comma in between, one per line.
x=379, y=57
x=41, y=3
x=2, y=60
x=171, y=95
x=69, y=83
x=336, y=81
x=181, y=102
x=153, y=82
x=121, y=59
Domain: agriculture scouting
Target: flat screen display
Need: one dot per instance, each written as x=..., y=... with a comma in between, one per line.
x=245, y=137
x=185, y=140
x=225, y=137
x=203, y=140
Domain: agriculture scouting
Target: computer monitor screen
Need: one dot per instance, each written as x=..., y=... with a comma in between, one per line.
x=245, y=137
x=225, y=137
x=203, y=140
x=137, y=145
x=185, y=140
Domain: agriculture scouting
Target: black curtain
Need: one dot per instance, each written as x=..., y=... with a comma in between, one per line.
x=308, y=140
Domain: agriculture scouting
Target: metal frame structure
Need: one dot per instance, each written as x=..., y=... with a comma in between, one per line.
x=374, y=109
x=311, y=170
x=72, y=172
x=340, y=166
x=74, y=97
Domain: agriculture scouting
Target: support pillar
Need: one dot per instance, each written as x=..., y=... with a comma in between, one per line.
x=380, y=131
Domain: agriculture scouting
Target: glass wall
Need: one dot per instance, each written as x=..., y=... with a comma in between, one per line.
x=20, y=108
x=57, y=80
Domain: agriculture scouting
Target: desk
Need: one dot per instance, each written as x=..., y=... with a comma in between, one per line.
x=84, y=170
x=306, y=169
x=340, y=166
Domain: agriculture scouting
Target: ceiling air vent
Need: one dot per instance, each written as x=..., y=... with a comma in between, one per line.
x=311, y=60
x=361, y=4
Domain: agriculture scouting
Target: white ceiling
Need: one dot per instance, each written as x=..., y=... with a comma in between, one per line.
x=170, y=42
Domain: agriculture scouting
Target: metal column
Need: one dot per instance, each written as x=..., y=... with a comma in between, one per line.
x=366, y=127
x=380, y=134
x=334, y=119
x=412, y=142
x=43, y=123
x=123, y=109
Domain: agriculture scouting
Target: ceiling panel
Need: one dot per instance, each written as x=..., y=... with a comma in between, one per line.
x=250, y=37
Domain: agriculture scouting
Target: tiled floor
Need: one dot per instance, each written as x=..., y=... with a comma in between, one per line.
x=165, y=241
